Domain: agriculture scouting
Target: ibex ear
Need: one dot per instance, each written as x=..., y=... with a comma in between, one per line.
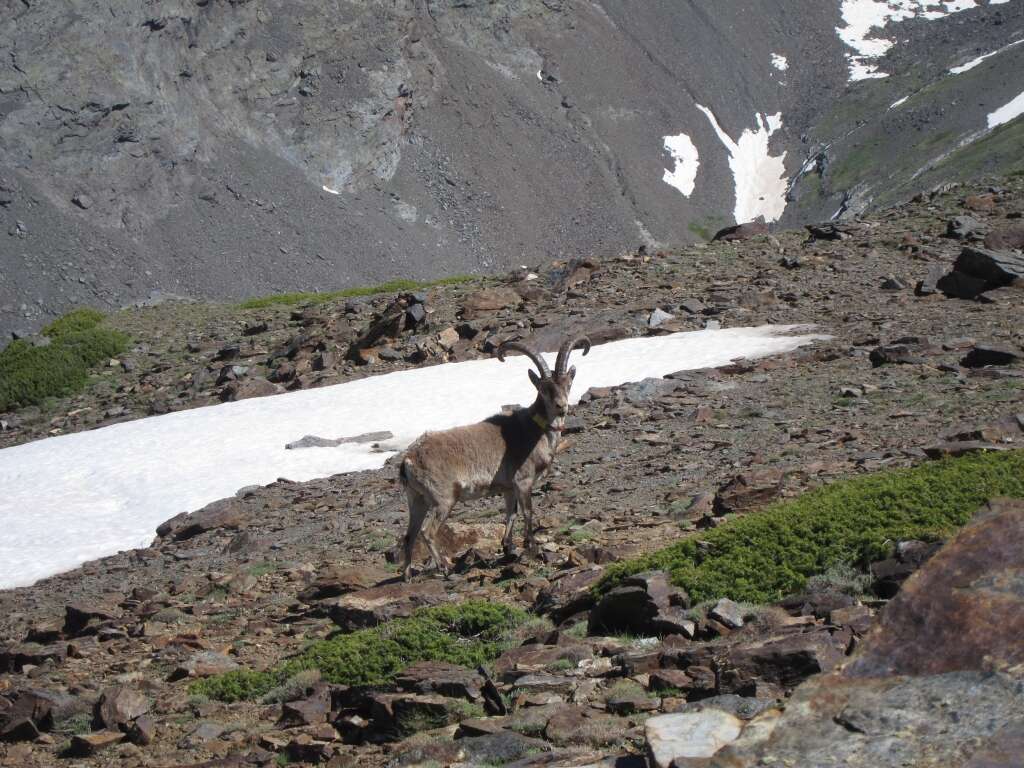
x=571, y=373
x=535, y=379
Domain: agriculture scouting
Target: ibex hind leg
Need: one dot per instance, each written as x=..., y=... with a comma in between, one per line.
x=418, y=509
x=429, y=532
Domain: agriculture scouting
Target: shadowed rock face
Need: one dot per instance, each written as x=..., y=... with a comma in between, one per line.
x=979, y=621
x=939, y=678
x=189, y=149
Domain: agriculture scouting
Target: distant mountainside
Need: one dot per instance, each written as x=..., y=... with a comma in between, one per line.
x=226, y=148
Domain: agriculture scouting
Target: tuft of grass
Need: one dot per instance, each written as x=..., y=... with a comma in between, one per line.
x=392, y=286
x=761, y=557
x=470, y=634
x=29, y=375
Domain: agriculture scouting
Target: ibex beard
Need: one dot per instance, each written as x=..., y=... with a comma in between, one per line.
x=504, y=455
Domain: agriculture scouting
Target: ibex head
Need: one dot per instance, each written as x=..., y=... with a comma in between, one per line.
x=552, y=387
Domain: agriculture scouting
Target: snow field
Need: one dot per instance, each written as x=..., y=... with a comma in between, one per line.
x=687, y=160
x=864, y=19
x=76, y=497
x=760, y=177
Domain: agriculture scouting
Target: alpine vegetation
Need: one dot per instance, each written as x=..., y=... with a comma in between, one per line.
x=505, y=454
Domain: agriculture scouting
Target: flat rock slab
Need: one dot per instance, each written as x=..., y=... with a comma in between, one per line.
x=370, y=607
x=689, y=735
x=938, y=681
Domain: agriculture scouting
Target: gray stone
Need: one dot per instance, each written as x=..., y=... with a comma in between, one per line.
x=689, y=735
x=727, y=612
x=659, y=317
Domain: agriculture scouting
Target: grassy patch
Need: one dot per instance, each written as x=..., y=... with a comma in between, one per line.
x=290, y=299
x=469, y=633
x=763, y=556
x=78, y=341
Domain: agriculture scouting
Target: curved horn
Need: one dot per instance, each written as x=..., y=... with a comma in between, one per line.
x=563, y=354
x=539, y=361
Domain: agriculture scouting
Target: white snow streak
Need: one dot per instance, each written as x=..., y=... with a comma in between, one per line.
x=760, y=177
x=332, y=191
x=975, y=62
x=1007, y=112
x=687, y=160
x=76, y=497
x=864, y=19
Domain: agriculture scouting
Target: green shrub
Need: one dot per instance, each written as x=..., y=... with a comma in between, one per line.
x=469, y=634
x=392, y=286
x=75, y=321
x=78, y=341
x=768, y=554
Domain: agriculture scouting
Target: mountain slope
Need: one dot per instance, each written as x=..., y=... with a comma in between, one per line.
x=196, y=148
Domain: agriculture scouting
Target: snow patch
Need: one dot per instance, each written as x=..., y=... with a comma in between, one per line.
x=863, y=21
x=76, y=497
x=332, y=191
x=760, y=177
x=1007, y=112
x=780, y=62
x=687, y=160
x=975, y=62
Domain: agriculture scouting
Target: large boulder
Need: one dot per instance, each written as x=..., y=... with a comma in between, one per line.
x=978, y=270
x=226, y=513
x=939, y=680
x=644, y=604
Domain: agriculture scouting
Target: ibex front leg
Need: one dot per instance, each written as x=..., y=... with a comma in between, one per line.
x=510, y=524
x=525, y=503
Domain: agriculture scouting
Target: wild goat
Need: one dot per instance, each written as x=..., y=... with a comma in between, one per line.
x=505, y=454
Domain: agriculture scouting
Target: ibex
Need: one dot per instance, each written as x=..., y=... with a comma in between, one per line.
x=505, y=454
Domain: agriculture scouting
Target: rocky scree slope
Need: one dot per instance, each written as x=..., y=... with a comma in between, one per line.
x=106, y=664
x=226, y=149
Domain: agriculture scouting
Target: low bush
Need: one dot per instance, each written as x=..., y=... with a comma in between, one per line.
x=393, y=286
x=78, y=341
x=469, y=634
x=765, y=555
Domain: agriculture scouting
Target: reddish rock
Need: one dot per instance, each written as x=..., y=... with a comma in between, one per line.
x=979, y=620
x=83, y=618
x=980, y=202
x=568, y=594
x=204, y=664
x=340, y=580
x=118, y=707
x=311, y=710
x=489, y=300
x=580, y=726
x=227, y=514
x=370, y=607
x=937, y=679
x=85, y=745
x=741, y=232
x=249, y=387
x=1008, y=239
x=749, y=490
x=773, y=668
x=441, y=678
